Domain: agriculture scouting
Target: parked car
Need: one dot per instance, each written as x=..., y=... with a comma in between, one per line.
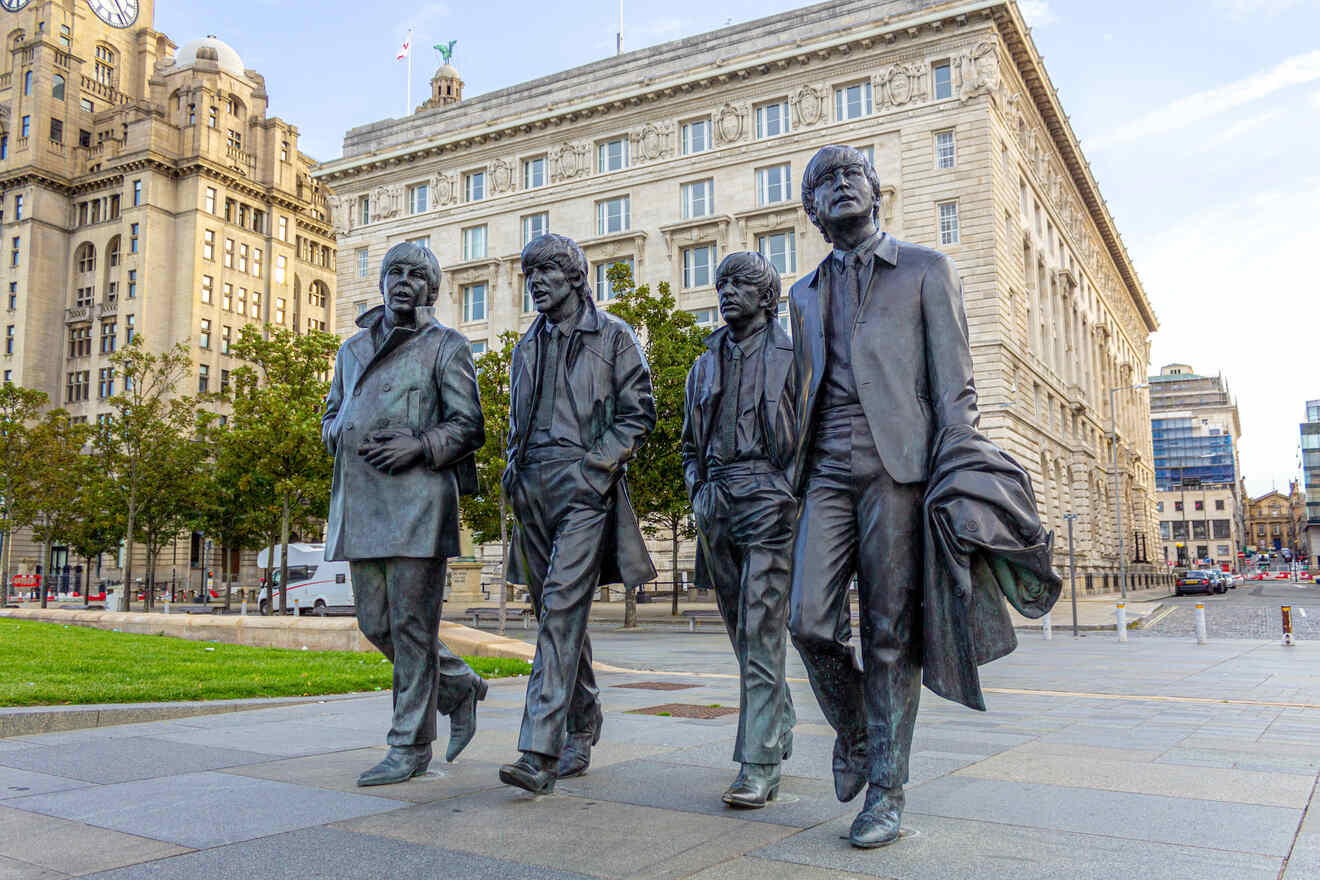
x=315, y=585
x=1195, y=580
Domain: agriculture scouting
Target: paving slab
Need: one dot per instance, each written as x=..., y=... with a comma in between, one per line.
x=755, y=868
x=332, y=854
x=73, y=848
x=13, y=869
x=957, y=849
x=1181, y=821
x=592, y=836
x=125, y=758
x=204, y=809
x=21, y=783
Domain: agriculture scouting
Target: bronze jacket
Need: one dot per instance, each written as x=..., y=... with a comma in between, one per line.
x=910, y=353
x=422, y=380
x=615, y=412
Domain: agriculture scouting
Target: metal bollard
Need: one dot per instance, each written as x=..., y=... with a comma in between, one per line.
x=1200, y=624
x=242, y=609
x=1047, y=626
x=1120, y=614
x=167, y=606
x=297, y=608
x=1286, y=612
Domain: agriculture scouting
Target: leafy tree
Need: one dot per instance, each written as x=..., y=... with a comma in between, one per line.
x=57, y=474
x=100, y=525
x=277, y=402
x=19, y=407
x=233, y=503
x=168, y=496
x=139, y=446
x=486, y=513
x=672, y=342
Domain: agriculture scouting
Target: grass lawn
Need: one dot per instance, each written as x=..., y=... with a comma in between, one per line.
x=43, y=664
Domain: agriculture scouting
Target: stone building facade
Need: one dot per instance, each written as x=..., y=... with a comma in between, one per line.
x=1199, y=526
x=670, y=157
x=147, y=192
x=1275, y=523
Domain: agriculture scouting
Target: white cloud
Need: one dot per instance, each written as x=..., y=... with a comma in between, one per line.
x=1241, y=127
x=1191, y=109
x=1037, y=12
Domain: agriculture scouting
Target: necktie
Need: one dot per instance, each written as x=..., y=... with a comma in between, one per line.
x=549, y=380
x=729, y=403
x=852, y=280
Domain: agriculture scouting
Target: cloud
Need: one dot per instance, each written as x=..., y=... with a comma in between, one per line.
x=1191, y=109
x=1241, y=127
x=1037, y=12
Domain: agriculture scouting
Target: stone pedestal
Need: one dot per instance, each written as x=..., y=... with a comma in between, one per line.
x=464, y=584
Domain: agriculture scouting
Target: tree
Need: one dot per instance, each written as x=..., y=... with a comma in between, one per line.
x=100, y=525
x=278, y=402
x=19, y=407
x=140, y=441
x=233, y=504
x=487, y=513
x=672, y=342
x=57, y=473
x=167, y=496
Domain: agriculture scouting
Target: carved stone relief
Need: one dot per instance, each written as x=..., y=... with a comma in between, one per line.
x=443, y=189
x=340, y=215
x=652, y=141
x=808, y=104
x=731, y=123
x=501, y=176
x=979, y=68
x=569, y=161
x=901, y=84
x=385, y=201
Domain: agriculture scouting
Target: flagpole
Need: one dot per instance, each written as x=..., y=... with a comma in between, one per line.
x=407, y=110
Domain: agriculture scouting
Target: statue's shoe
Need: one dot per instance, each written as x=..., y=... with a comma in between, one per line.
x=755, y=785
x=576, y=757
x=849, y=766
x=401, y=764
x=463, y=721
x=530, y=774
x=879, y=822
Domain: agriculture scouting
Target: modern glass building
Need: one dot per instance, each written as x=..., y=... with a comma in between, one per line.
x=1311, y=474
x=1194, y=429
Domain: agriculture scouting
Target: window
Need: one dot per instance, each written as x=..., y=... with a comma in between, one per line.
x=941, y=75
x=474, y=242
x=65, y=34
x=944, y=149
x=18, y=207
x=226, y=337
x=771, y=119
x=4, y=146
x=706, y=318
x=364, y=213
x=25, y=127
x=698, y=198
x=27, y=82
x=242, y=257
x=612, y=155
x=76, y=387
x=132, y=283
x=105, y=384
x=772, y=184
x=362, y=265
x=851, y=102
x=57, y=87
x=612, y=215
x=86, y=258
x=1159, y=506
x=105, y=65
x=209, y=203
x=234, y=140
x=869, y=152
x=284, y=151
x=696, y=136
x=227, y=297
x=534, y=226
x=780, y=249
x=478, y=347
x=283, y=228
x=279, y=310
x=13, y=252
x=948, y=212
x=474, y=186
x=208, y=244
x=9, y=339
x=534, y=172
x=204, y=337
x=224, y=381
x=781, y=314
x=423, y=240
x=203, y=379
x=1198, y=505
x=417, y=198
x=474, y=302
x=13, y=295
x=1219, y=504
x=57, y=130
x=1177, y=505
x=80, y=341
x=108, y=335
x=129, y=330
x=207, y=284
x=254, y=310
x=604, y=288
x=698, y=266
x=229, y=253
x=133, y=238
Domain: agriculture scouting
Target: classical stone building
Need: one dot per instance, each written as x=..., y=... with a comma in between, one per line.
x=1275, y=523
x=670, y=157
x=1199, y=526
x=146, y=193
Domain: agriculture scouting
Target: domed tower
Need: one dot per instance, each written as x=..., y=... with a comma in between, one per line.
x=446, y=88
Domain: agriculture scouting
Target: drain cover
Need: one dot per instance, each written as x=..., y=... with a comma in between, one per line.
x=686, y=710
x=657, y=685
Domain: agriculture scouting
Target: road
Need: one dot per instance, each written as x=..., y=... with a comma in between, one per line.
x=1249, y=612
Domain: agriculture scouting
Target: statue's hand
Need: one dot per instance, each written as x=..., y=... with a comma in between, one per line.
x=391, y=450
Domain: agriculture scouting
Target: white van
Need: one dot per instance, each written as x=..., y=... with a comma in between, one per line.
x=315, y=585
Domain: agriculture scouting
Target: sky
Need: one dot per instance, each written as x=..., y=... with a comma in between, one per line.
x=1200, y=118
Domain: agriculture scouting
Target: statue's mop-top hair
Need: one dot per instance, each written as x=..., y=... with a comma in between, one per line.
x=412, y=252
x=561, y=252
x=753, y=268
x=827, y=159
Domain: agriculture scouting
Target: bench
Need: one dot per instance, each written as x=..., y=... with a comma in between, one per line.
x=483, y=613
x=701, y=614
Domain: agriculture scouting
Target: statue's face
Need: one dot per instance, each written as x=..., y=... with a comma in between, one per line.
x=549, y=287
x=406, y=288
x=740, y=300
x=843, y=193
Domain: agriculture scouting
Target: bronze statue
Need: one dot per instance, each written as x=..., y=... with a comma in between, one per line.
x=739, y=447
x=580, y=407
x=402, y=420
x=892, y=476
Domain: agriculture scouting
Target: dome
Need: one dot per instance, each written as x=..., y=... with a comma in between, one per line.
x=447, y=70
x=210, y=49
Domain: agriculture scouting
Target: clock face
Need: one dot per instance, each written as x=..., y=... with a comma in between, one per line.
x=14, y=5
x=116, y=13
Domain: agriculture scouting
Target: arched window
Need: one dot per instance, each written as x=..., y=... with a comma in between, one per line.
x=27, y=82
x=86, y=257
x=112, y=253
x=317, y=294
x=57, y=88
x=105, y=65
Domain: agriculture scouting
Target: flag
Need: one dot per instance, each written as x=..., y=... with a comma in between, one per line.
x=407, y=45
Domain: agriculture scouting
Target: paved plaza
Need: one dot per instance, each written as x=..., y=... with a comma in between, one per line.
x=1153, y=758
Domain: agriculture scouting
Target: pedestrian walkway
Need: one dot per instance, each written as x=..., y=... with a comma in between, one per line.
x=1098, y=759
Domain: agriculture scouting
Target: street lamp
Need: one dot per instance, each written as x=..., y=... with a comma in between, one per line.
x=1118, y=501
